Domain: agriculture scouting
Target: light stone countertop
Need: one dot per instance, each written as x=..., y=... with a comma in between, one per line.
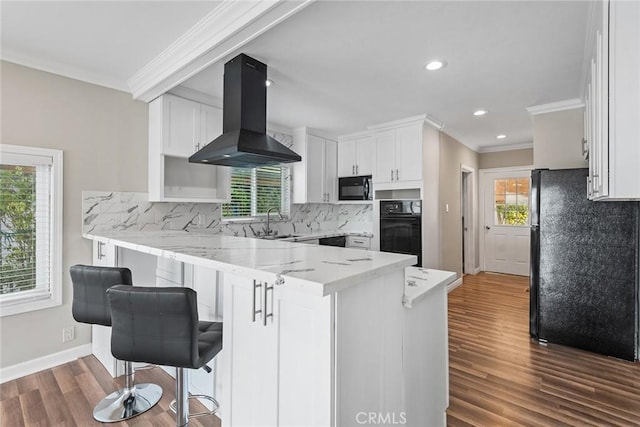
x=420, y=281
x=318, y=270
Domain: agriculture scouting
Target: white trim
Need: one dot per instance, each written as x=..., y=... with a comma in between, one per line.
x=64, y=70
x=408, y=120
x=569, y=104
x=220, y=33
x=451, y=286
x=472, y=191
x=507, y=147
x=589, y=44
x=476, y=271
x=10, y=308
x=32, y=366
x=355, y=135
x=195, y=95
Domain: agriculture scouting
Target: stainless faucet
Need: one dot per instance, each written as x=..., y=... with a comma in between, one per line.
x=268, y=230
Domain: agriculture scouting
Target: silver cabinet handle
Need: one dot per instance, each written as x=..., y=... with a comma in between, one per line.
x=397, y=178
x=356, y=169
x=487, y=227
x=100, y=254
x=198, y=146
x=266, y=289
x=256, y=285
x=358, y=241
x=391, y=174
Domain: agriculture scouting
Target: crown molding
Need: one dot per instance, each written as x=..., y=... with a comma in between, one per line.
x=221, y=32
x=569, y=104
x=355, y=135
x=194, y=95
x=408, y=120
x=63, y=70
x=506, y=147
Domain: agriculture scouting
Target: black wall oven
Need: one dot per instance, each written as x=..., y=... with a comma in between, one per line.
x=401, y=227
x=355, y=188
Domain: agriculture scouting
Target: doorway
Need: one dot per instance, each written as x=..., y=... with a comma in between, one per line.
x=505, y=225
x=466, y=220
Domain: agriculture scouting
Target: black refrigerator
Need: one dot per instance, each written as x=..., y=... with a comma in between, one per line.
x=584, y=266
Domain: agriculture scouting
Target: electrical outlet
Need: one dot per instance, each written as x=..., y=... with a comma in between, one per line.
x=68, y=334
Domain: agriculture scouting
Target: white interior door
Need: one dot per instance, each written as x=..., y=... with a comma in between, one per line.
x=506, y=222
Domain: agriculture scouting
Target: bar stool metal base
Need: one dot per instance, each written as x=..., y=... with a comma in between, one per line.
x=127, y=403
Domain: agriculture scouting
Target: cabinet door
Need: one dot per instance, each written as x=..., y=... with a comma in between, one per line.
x=409, y=153
x=104, y=255
x=364, y=156
x=181, y=130
x=315, y=169
x=347, y=158
x=250, y=380
x=385, y=157
x=330, y=170
x=303, y=326
x=210, y=125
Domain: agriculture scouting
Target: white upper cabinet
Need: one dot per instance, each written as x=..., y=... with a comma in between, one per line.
x=355, y=156
x=612, y=102
x=314, y=177
x=399, y=154
x=178, y=128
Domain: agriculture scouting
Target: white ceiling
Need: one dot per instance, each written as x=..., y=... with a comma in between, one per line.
x=340, y=66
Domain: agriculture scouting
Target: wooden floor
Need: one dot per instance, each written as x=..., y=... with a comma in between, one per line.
x=499, y=377
x=66, y=395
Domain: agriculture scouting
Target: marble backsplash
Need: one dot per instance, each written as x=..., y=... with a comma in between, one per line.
x=121, y=211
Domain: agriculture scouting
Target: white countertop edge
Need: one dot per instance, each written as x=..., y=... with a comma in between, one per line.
x=309, y=287
x=425, y=286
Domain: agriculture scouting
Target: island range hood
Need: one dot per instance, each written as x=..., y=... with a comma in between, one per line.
x=244, y=141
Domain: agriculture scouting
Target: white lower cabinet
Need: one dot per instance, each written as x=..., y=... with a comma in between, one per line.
x=278, y=373
x=357, y=242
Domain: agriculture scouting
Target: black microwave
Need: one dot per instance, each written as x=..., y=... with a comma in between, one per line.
x=355, y=188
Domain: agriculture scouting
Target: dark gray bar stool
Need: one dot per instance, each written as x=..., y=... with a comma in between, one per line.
x=160, y=326
x=90, y=305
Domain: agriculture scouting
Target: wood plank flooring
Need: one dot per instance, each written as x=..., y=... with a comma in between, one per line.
x=65, y=396
x=499, y=377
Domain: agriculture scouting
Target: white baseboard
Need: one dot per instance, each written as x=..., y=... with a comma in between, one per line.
x=451, y=286
x=41, y=363
x=476, y=270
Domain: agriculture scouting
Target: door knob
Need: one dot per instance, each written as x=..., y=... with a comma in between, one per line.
x=487, y=227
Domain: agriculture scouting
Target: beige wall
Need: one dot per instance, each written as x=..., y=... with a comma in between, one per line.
x=103, y=134
x=557, y=140
x=505, y=159
x=453, y=155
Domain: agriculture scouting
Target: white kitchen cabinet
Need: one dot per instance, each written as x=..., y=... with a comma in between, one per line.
x=104, y=255
x=399, y=154
x=178, y=128
x=314, y=177
x=278, y=368
x=355, y=156
x=612, y=102
x=358, y=242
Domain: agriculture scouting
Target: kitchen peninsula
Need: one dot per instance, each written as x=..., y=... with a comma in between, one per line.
x=313, y=335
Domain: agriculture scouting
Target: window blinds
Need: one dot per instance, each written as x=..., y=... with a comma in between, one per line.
x=254, y=191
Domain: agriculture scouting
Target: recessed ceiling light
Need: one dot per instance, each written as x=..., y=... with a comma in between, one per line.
x=480, y=112
x=435, y=65
x=268, y=82
x=501, y=136
x=226, y=155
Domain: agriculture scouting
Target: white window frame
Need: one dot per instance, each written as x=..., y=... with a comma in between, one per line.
x=285, y=206
x=12, y=304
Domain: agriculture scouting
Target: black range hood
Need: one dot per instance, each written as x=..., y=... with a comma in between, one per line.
x=244, y=141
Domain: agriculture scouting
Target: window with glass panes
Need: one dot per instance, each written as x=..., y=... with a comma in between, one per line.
x=511, y=201
x=256, y=190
